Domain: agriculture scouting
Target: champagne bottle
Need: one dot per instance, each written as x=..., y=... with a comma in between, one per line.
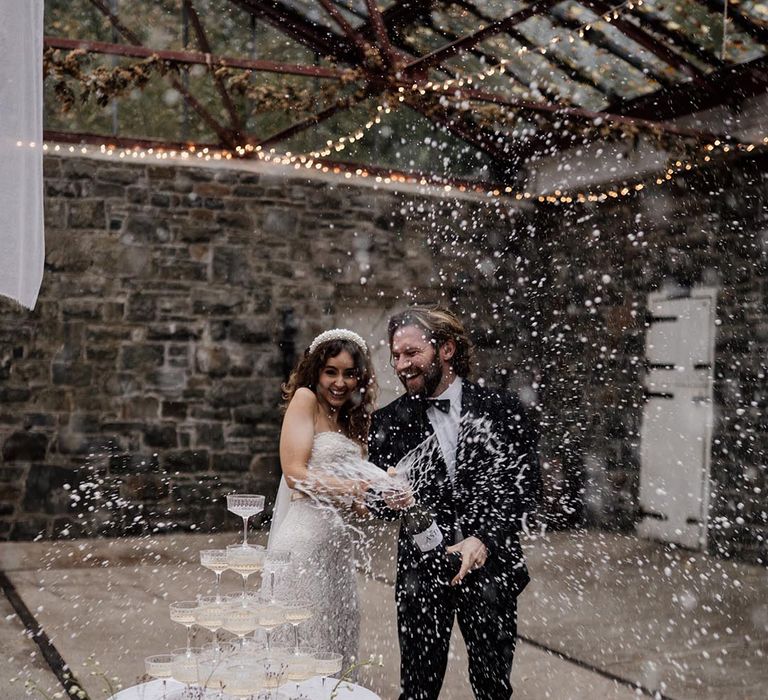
x=425, y=533
x=422, y=528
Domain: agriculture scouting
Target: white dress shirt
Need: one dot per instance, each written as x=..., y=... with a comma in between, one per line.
x=446, y=425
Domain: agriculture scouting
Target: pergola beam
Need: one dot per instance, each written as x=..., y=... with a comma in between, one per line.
x=319, y=39
x=581, y=114
x=718, y=89
x=380, y=32
x=352, y=34
x=192, y=58
x=202, y=40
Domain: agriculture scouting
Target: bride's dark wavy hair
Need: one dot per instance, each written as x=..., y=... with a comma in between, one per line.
x=355, y=414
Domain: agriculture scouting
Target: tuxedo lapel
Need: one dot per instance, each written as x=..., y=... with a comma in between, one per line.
x=469, y=412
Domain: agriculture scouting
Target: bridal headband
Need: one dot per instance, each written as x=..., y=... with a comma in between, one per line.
x=338, y=334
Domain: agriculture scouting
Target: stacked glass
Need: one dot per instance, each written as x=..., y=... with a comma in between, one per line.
x=246, y=668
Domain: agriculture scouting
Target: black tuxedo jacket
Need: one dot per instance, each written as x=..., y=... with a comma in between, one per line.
x=497, y=479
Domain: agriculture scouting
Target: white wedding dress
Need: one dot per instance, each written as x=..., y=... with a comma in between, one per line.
x=322, y=568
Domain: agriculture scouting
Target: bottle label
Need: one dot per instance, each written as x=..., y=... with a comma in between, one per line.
x=429, y=539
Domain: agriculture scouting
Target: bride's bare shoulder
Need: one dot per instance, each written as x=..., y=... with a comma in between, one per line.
x=303, y=398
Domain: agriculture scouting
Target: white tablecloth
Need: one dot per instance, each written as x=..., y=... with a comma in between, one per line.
x=313, y=688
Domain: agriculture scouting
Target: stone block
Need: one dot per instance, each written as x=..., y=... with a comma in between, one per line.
x=209, y=435
x=193, y=232
x=142, y=357
x=141, y=407
x=30, y=528
x=87, y=214
x=25, y=446
x=253, y=414
x=71, y=374
x=252, y=332
x=142, y=307
x=144, y=230
x=133, y=463
x=145, y=488
x=231, y=462
x=13, y=394
x=168, y=379
x=120, y=176
x=174, y=409
x=163, y=436
x=212, y=360
x=231, y=393
x=101, y=354
x=49, y=489
x=186, y=270
x=172, y=331
x=87, y=309
x=230, y=266
x=186, y=460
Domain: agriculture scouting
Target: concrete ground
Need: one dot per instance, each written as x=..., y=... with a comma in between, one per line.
x=603, y=612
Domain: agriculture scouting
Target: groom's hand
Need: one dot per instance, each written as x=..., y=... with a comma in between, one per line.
x=473, y=555
x=400, y=499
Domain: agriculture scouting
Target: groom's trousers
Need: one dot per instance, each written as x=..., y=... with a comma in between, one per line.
x=426, y=612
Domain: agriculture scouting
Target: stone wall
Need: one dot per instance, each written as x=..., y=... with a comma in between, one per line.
x=146, y=383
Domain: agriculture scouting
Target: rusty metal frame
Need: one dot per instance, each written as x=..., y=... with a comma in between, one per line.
x=397, y=70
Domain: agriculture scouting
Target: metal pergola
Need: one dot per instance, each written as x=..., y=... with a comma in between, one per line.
x=551, y=71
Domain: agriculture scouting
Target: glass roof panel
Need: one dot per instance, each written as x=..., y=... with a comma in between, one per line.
x=575, y=15
x=607, y=72
x=544, y=80
x=705, y=28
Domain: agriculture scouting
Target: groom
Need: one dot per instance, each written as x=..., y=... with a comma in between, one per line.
x=481, y=480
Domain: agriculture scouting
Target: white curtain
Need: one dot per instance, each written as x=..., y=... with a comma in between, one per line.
x=22, y=240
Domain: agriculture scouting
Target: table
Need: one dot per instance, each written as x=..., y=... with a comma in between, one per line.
x=312, y=688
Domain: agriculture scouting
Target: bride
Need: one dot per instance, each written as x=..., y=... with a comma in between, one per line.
x=329, y=398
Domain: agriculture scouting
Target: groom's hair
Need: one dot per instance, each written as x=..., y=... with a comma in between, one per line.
x=440, y=325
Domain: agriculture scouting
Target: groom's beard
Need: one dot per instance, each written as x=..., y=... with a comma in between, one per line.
x=431, y=376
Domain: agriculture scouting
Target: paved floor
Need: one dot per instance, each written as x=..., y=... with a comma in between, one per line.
x=613, y=606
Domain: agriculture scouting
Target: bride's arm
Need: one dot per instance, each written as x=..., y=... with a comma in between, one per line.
x=296, y=440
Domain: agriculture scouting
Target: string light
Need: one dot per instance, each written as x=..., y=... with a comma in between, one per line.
x=310, y=160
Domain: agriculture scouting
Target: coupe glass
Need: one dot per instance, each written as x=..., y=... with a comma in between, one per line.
x=211, y=670
x=242, y=679
x=301, y=665
x=240, y=621
x=210, y=614
x=270, y=616
x=245, y=559
x=216, y=561
x=276, y=562
x=245, y=505
x=296, y=613
x=327, y=664
x=183, y=612
x=159, y=666
x=184, y=669
x=274, y=670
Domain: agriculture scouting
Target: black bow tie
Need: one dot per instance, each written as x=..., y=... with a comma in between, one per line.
x=443, y=405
